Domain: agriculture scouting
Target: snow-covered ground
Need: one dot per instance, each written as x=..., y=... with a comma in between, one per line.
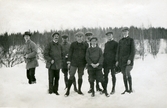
x=149, y=84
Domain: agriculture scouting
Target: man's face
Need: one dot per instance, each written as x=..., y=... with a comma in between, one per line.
x=79, y=38
x=109, y=36
x=56, y=38
x=27, y=37
x=64, y=39
x=125, y=33
x=93, y=42
x=88, y=38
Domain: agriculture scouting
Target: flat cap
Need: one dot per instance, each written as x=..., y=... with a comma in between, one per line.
x=27, y=33
x=55, y=34
x=125, y=29
x=110, y=32
x=65, y=36
x=79, y=34
x=94, y=38
x=88, y=34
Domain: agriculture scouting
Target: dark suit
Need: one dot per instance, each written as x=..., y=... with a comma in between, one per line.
x=125, y=52
x=53, y=51
x=76, y=56
x=110, y=50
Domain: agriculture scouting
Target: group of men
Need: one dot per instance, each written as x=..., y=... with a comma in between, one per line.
x=80, y=54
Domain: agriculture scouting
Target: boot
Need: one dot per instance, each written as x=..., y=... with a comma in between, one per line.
x=98, y=87
x=113, y=91
x=92, y=87
x=130, y=84
x=68, y=89
x=105, y=89
x=125, y=84
x=74, y=83
x=90, y=90
x=113, y=85
x=56, y=93
x=79, y=86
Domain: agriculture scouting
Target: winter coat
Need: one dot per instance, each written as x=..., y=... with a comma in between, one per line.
x=77, y=54
x=53, y=51
x=110, y=51
x=94, y=55
x=30, y=49
x=125, y=52
x=65, y=47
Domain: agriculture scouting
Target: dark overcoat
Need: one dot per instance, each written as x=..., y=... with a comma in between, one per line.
x=125, y=52
x=53, y=51
x=77, y=54
x=110, y=51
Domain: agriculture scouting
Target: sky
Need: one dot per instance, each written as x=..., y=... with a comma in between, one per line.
x=45, y=15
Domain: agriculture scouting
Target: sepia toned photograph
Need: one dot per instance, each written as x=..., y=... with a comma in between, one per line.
x=83, y=54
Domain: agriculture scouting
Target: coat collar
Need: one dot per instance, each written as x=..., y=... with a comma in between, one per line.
x=54, y=43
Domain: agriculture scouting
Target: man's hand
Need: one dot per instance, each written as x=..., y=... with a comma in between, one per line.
x=52, y=61
x=96, y=65
x=128, y=62
x=68, y=64
x=93, y=65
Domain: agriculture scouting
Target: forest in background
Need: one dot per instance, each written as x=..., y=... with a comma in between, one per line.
x=147, y=40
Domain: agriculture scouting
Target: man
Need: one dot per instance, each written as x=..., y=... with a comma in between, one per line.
x=77, y=61
x=94, y=58
x=65, y=47
x=88, y=36
x=53, y=55
x=30, y=57
x=110, y=50
x=125, y=57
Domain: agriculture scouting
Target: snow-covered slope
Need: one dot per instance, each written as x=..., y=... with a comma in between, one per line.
x=149, y=84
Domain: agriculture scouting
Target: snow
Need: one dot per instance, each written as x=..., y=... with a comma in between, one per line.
x=149, y=84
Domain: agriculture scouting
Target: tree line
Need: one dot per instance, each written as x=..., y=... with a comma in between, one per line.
x=8, y=42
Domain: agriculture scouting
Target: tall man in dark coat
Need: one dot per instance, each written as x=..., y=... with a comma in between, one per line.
x=110, y=51
x=88, y=36
x=53, y=55
x=77, y=61
x=125, y=57
x=66, y=47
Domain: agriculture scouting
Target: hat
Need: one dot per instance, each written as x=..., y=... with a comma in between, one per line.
x=65, y=36
x=27, y=33
x=94, y=38
x=88, y=34
x=55, y=34
x=79, y=34
x=110, y=32
x=125, y=29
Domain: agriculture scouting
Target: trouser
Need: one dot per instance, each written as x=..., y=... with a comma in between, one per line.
x=53, y=76
x=106, y=72
x=31, y=75
x=127, y=77
x=72, y=74
x=65, y=72
x=97, y=83
x=97, y=75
